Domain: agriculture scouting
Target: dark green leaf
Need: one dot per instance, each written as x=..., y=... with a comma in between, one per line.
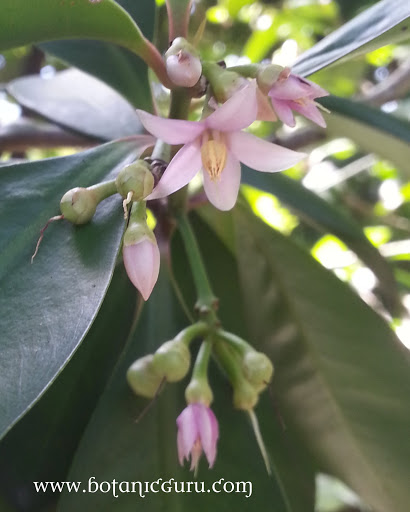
x=48, y=307
x=116, y=66
x=342, y=377
x=387, y=22
x=79, y=102
x=114, y=446
x=24, y=22
x=371, y=129
x=40, y=447
x=326, y=217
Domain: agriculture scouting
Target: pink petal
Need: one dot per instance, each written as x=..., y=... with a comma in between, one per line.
x=209, y=432
x=284, y=112
x=265, y=110
x=187, y=432
x=236, y=113
x=311, y=111
x=223, y=192
x=315, y=90
x=142, y=261
x=262, y=155
x=180, y=171
x=290, y=89
x=171, y=131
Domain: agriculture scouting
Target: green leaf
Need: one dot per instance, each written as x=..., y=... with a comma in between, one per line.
x=342, y=377
x=48, y=307
x=79, y=102
x=24, y=22
x=43, y=443
x=178, y=15
x=146, y=451
x=327, y=218
x=116, y=66
x=387, y=22
x=372, y=130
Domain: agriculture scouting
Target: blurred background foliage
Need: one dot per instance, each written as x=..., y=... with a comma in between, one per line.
x=372, y=190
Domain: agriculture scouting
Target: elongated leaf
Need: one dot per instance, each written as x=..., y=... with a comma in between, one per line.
x=48, y=307
x=44, y=20
x=42, y=444
x=323, y=215
x=178, y=15
x=372, y=130
x=79, y=102
x=342, y=377
x=116, y=66
x=146, y=451
x=387, y=22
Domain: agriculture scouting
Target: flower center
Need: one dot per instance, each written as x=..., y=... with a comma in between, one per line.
x=214, y=154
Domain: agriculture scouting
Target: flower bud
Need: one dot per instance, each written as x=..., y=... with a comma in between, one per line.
x=245, y=396
x=257, y=368
x=268, y=75
x=78, y=205
x=182, y=62
x=173, y=360
x=143, y=378
x=198, y=391
x=136, y=178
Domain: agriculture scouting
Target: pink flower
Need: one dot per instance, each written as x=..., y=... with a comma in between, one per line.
x=141, y=261
x=297, y=93
x=217, y=145
x=197, y=430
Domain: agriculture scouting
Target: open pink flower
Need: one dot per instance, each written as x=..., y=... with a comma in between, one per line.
x=217, y=145
x=197, y=430
x=297, y=93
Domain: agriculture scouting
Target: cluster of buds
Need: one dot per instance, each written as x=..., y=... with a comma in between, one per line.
x=248, y=371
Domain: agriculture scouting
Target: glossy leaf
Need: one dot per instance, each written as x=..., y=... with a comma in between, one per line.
x=178, y=16
x=116, y=66
x=387, y=22
x=48, y=307
x=326, y=217
x=23, y=23
x=371, y=129
x=42, y=444
x=146, y=451
x=79, y=102
x=342, y=377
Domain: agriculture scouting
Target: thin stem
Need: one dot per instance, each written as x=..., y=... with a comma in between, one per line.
x=206, y=299
x=104, y=190
x=200, y=370
x=193, y=331
x=138, y=212
x=234, y=341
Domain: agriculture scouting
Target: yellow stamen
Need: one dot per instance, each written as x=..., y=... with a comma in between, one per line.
x=214, y=154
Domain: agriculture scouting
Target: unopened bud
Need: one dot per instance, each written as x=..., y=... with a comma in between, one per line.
x=198, y=391
x=268, y=75
x=257, y=368
x=182, y=62
x=245, y=396
x=173, y=360
x=143, y=378
x=78, y=205
x=137, y=179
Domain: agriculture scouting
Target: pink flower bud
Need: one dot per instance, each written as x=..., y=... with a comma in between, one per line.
x=141, y=260
x=184, y=69
x=197, y=431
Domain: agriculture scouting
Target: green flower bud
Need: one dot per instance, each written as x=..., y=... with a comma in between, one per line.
x=224, y=82
x=257, y=368
x=173, y=360
x=143, y=378
x=245, y=396
x=78, y=205
x=136, y=178
x=198, y=391
x=268, y=75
